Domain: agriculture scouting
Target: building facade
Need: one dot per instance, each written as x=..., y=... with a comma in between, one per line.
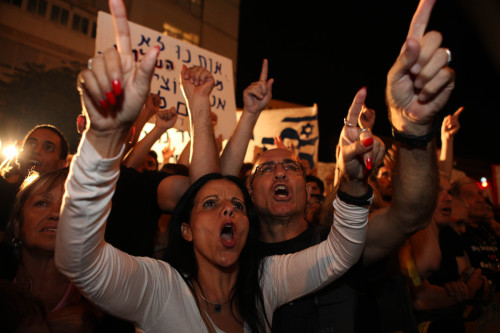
x=58, y=32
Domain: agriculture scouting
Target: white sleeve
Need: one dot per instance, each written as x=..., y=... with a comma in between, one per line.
x=129, y=287
x=287, y=277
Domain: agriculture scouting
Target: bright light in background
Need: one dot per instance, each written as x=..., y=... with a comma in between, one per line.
x=10, y=152
x=484, y=182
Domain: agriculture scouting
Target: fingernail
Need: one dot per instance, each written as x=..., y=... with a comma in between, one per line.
x=117, y=87
x=367, y=142
x=103, y=103
x=369, y=163
x=111, y=98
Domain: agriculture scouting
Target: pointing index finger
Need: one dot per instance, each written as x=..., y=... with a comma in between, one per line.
x=420, y=19
x=356, y=106
x=122, y=32
x=263, y=72
x=458, y=112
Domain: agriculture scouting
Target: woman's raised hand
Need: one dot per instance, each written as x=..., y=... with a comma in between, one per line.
x=114, y=88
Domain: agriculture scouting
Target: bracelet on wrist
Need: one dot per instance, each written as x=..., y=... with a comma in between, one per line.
x=363, y=200
x=414, y=140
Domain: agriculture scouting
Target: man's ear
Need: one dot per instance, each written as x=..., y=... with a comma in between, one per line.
x=186, y=232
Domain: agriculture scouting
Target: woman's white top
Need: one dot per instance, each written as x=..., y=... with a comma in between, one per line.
x=150, y=292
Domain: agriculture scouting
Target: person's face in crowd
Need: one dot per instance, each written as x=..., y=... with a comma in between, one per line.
x=314, y=188
x=442, y=213
x=40, y=219
x=313, y=206
x=41, y=151
x=219, y=224
x=474, y=200
x=277, y=192
x=149, y=164
x=384, y=182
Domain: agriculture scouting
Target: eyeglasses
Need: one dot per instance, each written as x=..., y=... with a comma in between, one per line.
x=291, y=167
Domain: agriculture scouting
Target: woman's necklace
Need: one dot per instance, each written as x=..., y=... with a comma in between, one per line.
x=217, y=307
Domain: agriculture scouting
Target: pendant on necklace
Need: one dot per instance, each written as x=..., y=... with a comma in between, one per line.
x=217, y=308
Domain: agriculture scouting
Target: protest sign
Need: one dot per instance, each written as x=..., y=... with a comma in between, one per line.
x=166, y=79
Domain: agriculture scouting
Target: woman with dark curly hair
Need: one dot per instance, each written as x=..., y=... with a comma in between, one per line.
x=213, y=279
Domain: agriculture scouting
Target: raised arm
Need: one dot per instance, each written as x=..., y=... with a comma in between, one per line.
x=418, y=86
x=113, y=90
x=147, y=112
x=310, y=269
x=357, y=150
x=110, y=278
x=256, y=97
x=165, y=119
x=197, y=84
x=449, y=129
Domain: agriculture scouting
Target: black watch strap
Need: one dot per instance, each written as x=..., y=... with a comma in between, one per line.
x=413, y=140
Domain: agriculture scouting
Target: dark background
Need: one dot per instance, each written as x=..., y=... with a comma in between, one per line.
x=323, y=51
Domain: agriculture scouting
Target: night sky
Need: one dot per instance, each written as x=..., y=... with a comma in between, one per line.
x=324, y=51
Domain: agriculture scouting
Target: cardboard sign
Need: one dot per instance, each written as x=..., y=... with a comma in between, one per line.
x=166, y=79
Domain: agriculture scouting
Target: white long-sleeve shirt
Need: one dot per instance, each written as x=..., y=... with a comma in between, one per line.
x=150, y=292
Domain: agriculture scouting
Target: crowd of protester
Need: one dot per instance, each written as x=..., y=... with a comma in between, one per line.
x=112, y=240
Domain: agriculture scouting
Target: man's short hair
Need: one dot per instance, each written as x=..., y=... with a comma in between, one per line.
x=64, y=143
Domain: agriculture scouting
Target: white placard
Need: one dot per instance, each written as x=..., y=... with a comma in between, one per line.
x=173, y=54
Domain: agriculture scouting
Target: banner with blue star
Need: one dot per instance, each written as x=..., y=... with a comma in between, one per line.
x=297, y=127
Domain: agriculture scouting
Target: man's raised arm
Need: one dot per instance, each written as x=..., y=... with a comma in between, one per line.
x=418, y=86
x=256, y=97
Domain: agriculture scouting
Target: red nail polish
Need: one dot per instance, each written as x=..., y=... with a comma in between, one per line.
x=81, y=123
x=132, y=135
x=111, y=98
x=103, y=103
x=117, y=87
x=369, y=163
x=367, y=142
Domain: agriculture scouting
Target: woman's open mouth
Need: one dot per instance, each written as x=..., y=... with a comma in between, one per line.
x=227, y=235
